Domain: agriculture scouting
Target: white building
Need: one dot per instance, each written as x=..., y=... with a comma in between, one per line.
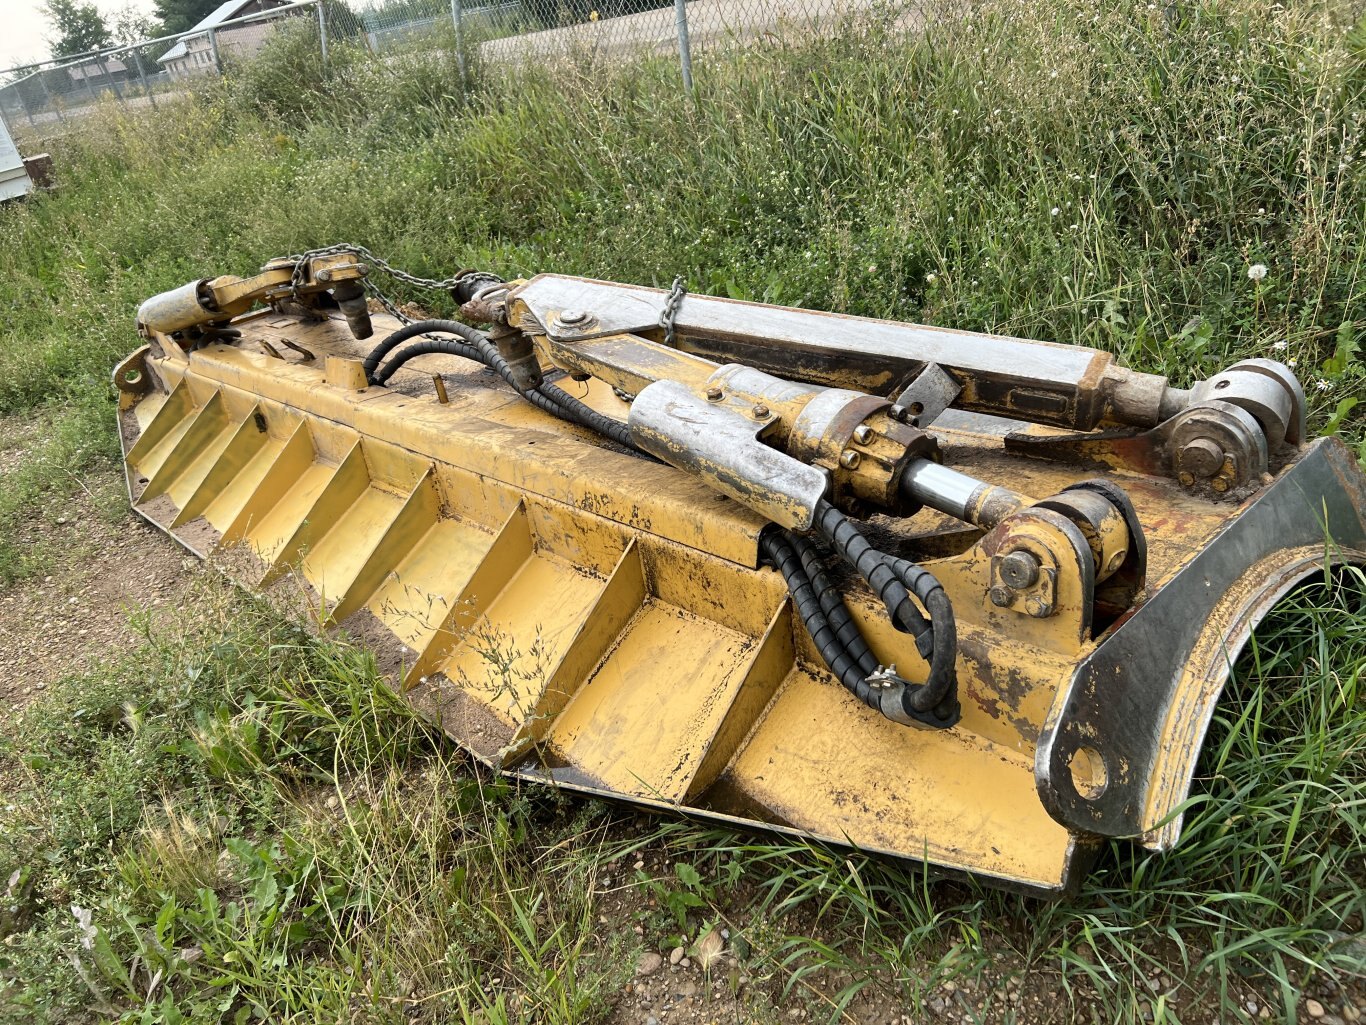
x=194, y=53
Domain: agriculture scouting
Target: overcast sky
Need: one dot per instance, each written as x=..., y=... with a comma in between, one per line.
x=24, y=30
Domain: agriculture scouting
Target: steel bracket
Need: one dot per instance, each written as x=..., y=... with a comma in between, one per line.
x=1118, y=750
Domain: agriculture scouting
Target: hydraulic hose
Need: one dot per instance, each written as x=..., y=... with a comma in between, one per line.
x=417, y=327
x=474, y=345
x=849, y=541
x=777, y=548
x=894, y=581
x=941, y=685
x=832, y=604
x=889, y=694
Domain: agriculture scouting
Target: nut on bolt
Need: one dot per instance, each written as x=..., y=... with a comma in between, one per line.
x=1000, y=596
x=714, y=394
x=760, y=412
x=1020, y=569
x=570, y=318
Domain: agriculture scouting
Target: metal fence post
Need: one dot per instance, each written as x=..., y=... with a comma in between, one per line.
x=110, y=81
x=456, y=13
x=322, y=31
x=684, y=50
x=47, y=94
x=142, y=77
x=213, y=48
x=23, y=102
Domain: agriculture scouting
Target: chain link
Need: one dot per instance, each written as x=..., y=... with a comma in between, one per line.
x=671, y=305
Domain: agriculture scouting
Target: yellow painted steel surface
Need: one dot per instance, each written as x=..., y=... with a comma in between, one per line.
x=570, y=612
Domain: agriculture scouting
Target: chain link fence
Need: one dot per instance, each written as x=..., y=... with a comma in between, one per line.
x=493, y=31
x=149, y=71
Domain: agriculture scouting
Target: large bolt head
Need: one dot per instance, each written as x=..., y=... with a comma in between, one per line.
x=1202, y=457
x=863, y=434
x=1000, y=596
x=849, y=459
x=573, y=317
x=1020, y=569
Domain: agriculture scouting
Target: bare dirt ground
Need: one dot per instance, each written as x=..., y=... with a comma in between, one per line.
x=77, y=613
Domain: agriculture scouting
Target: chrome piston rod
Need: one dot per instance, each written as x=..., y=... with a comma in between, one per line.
x=969, y=499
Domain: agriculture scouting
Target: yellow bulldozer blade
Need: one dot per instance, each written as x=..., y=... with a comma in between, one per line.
x=577, y=613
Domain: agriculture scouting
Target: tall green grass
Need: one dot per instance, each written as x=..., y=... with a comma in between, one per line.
x=1104, y=177
x=1051, y=169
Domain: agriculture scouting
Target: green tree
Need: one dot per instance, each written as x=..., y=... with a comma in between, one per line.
x=78, y=25
x=183, y=15
x=129, y=25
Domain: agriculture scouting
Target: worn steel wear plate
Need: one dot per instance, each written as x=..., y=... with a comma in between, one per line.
x=577, y=615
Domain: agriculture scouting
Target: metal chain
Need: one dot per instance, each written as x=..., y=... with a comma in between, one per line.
x=397, y=273
x=390, y=307
x=671, y=305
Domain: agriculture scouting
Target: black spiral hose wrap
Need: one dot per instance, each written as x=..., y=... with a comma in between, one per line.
x=848, y=657
x=832, y=604
x=776, y=546
x=894, y=581
x=849, y=541
x=942, y=683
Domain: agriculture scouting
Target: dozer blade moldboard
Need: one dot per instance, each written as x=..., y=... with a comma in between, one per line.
x=573, y=613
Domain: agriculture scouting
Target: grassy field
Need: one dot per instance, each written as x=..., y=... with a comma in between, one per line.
x=237, y=822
